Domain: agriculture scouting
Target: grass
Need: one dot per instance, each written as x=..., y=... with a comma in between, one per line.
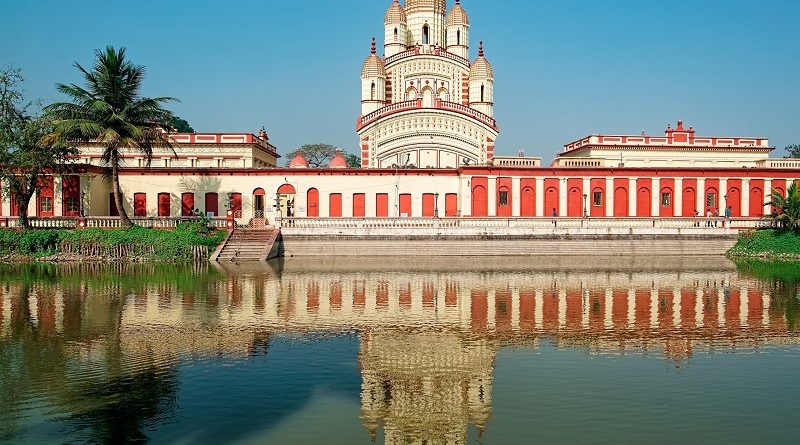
x=768, y=243
x=149, y=244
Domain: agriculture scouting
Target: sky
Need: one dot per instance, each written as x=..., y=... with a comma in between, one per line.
x=563, y=69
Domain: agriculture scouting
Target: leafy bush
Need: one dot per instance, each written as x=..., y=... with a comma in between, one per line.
x=162, y=245
x=30, y=242
x=767, y=243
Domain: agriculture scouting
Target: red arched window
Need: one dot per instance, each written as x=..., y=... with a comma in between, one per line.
x=163, y=204
x=140, y=204
x=187, y=203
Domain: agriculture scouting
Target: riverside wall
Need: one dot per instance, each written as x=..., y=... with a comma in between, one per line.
x=586, y=242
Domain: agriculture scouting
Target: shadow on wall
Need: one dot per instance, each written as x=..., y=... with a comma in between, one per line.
x=200, y=186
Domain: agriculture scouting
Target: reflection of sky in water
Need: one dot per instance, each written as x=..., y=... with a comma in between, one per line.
x=298, y=390
x=342, y=355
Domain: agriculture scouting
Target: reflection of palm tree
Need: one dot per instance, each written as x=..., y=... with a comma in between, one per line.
x=121, y=408
x=114, y=404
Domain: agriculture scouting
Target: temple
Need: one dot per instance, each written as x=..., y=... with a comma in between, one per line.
x=427, y=148
x=424, y=103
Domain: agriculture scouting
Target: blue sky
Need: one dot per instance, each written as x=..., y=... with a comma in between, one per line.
x=563, y=69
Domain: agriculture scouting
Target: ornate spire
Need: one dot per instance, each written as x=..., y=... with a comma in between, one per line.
x=480, y=49
x=373, y=50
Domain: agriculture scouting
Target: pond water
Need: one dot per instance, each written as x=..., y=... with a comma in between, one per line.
x=425, y=351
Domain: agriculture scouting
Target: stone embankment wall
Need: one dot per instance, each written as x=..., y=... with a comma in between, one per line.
x=473, y=246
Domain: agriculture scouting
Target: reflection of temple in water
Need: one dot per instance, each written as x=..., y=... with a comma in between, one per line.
x=428, y=340
x=425, y=387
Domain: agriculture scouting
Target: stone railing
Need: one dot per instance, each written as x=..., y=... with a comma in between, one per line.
x=398, y=107
x=499, y=225
x=779, y=163
x=475, y=114
x=579, y=162
x=104, y=222
x=428, y=50
x=365, y=120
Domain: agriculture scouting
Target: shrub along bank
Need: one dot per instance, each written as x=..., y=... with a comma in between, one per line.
x=187, y=242
x=769, y=244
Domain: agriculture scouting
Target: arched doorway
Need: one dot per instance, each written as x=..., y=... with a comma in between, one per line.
x=756, y=202
x=286, y=194
x=503, y=202
x=621, y=202
x=666, y=206
x=689, y=202
x=643, y=202
x=427, y=98
x=574, y=204
x=480, y=201
x=312, y=203
x=527, y=202
x=259, y=203
x=734, y=201
x=551, y=201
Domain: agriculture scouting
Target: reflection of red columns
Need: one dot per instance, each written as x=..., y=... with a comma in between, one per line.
x=336, y=296
x=312, y=297
x=405, y=296
x=382, y=295
x=687, y=308
x=479, y=310
x=359, y=296
x=503, y=310
x=527, y=310
x=619, y=310
x=428, y=295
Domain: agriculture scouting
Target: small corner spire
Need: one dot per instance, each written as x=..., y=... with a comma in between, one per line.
x=480, y=49
x=373, y=49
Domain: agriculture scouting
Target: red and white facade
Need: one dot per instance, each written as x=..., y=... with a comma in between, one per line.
x=678, y=147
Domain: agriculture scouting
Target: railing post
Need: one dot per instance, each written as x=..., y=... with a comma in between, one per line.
x=4, y=222
x=229, y=221
x=82, y=223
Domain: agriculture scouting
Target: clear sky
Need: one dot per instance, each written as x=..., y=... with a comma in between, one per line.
x=563, y=69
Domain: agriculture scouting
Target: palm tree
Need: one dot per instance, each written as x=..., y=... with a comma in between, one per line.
x=786, y=210
x=110, y=111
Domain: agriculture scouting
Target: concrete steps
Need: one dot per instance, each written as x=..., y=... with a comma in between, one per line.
x=247, y=245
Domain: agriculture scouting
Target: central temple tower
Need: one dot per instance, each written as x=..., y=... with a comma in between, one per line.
x=424, y=104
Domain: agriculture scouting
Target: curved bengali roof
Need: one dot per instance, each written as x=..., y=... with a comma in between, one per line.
x=481, y=68
x=413, y=6
x=298, y=161
x=338, y=161
x=457, y=16
x=395, y=14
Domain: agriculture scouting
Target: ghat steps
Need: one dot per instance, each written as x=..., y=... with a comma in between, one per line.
x=247, y=245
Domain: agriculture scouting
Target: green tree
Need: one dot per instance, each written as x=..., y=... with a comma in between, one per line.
x=353, y=161
x=320, y=155
x=793, y=150
x=26, y=150
x=180, y=125
x=317, y=155
x=110, y=110
x=786, y=210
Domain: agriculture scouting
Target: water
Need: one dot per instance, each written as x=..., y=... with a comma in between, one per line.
x=351, y=351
